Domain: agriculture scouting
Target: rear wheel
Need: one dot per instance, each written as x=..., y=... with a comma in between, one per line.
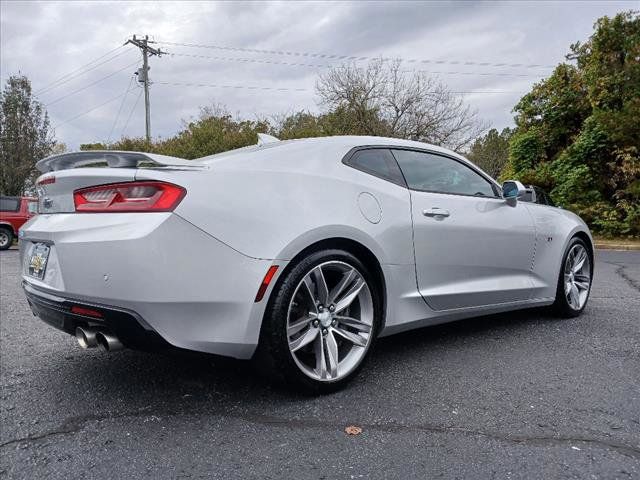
x=574, y=282
x=6, y=238
x=322, y=321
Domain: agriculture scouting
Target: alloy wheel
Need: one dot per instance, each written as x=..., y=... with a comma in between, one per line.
x=330, y=321
x=4, y=238
x=577, y=277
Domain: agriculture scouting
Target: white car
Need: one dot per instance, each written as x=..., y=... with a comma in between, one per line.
x=299, y=253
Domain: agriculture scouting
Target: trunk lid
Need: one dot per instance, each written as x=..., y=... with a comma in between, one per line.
x=55, y=192
x=65, y=173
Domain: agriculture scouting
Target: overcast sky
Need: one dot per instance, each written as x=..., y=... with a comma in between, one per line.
x=49, y=40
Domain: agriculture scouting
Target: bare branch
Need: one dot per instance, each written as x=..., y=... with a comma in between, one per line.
x=387, y=101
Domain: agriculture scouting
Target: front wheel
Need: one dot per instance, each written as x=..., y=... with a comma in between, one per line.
x=322, y=321
x=6, y=238
x=574, y=282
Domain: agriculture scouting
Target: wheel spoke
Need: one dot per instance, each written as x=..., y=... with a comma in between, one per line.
x=578, y=261
x=352, y=337
x=582, y=278
x=321, y=365
x=332, y=354
x=309, y=290
x=569, y=262
x=350, y=296
x=321, y=285
x=303, y=340
x=354, y=323
x=347, y=278
x=582, y=285
x=575, y=295
x=300, y=324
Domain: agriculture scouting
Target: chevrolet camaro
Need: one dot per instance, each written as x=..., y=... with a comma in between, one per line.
x=298, y=254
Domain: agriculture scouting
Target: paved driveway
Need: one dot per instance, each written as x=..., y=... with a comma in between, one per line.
x=519, y=395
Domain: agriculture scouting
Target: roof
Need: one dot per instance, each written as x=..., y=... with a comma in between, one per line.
x=337, y=141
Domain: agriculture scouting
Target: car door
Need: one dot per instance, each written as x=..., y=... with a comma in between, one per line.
x=472, y=249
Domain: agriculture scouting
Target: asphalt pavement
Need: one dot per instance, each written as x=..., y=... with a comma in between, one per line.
x=518, y=395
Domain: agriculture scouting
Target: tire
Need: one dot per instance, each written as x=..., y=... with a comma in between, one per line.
x=574, y=285
x=331, y=342
x=6, y=238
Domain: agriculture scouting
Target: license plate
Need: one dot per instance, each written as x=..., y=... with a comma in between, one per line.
x=38, y=260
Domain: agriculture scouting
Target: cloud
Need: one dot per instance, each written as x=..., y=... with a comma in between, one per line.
x=48, y=40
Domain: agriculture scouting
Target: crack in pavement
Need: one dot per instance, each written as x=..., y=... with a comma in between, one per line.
x=75, y=424
x=621, y=273
x=634, y=284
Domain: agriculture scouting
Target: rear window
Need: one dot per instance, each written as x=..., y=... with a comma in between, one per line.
x=378, y=162
x=9, y=204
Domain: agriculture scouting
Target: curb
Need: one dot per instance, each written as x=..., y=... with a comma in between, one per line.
x=613, y=246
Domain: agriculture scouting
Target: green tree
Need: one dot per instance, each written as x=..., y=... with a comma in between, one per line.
x=214, y=131
x=25, y=135
x=577, y=132
x=342, y=120
x=491, y=151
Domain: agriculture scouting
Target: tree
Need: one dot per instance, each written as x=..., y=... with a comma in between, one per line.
x=577, y=132
x=214, y=131
x=491, y=151
x=382, y=99
x=25, y=135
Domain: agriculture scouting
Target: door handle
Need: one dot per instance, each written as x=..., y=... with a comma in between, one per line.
x=435, y=212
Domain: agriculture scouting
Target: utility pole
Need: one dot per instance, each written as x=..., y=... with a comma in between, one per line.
x=143, y=75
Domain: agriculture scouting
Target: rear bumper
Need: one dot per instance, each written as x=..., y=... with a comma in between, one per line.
x=154, y=270
x=128, y=326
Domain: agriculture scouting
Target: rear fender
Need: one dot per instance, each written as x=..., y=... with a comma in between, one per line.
x=330, y=232
x=7, y=225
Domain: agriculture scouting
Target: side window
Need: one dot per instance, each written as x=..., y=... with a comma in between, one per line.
x=543, y=197
x=9, y=204
x=32, y=207
x=378, y=162
x=435, y=173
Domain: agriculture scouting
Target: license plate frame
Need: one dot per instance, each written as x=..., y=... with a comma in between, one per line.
x=38, y=259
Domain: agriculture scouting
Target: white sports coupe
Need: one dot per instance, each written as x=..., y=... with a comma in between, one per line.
x=297, y=253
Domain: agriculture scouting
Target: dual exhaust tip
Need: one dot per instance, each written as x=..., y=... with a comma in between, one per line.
x=90, y=337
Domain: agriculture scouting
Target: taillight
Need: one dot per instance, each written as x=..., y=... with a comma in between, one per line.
x=47, y=180
x=129, y=197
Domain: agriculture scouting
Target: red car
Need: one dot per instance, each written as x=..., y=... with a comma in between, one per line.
x=14, y=212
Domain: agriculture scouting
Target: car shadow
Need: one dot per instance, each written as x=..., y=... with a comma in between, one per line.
x=425, y=337
x=181, y=376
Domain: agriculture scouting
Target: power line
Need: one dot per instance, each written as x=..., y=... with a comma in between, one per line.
x=63, y=79
x=247, y=87
x=285, y=89
x=115, y=121
x=90, y=110
x=249, y=60
x=356, y=58
x=473, y=74
x=91, y=84
x=45, y=91
x=131, y=113
x=316, y=65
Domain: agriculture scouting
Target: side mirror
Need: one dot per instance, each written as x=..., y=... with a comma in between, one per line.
x=511, y=190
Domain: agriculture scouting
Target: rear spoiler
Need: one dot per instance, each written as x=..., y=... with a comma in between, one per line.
x=113, y=159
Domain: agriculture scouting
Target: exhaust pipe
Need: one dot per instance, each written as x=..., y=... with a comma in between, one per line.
x=108, y=342
x=86, y=337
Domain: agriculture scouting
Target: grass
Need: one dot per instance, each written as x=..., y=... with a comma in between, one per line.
x=618, y=243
